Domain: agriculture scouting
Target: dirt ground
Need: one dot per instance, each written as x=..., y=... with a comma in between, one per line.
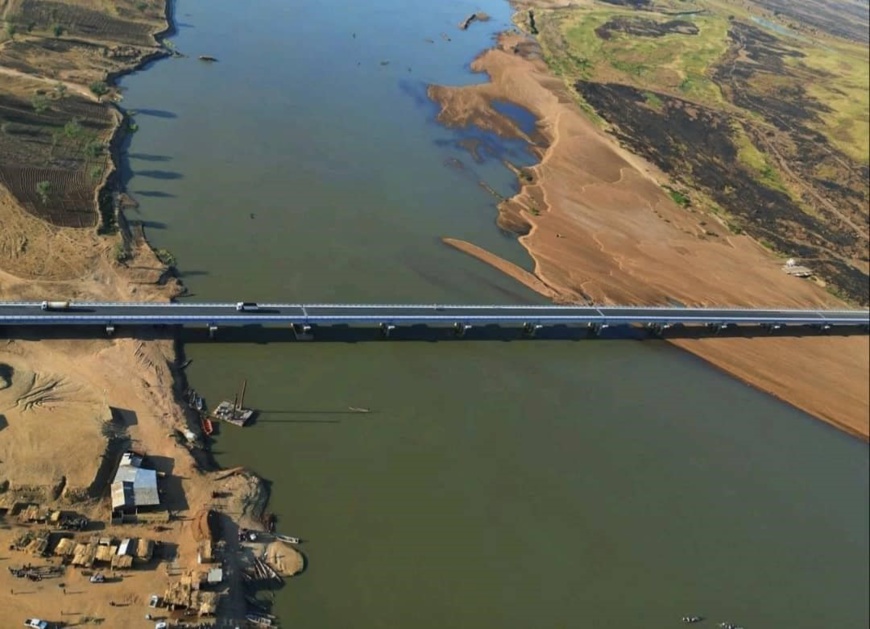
x=600, y=228
x=60, y=398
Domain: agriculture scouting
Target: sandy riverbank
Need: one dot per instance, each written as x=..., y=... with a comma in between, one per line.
x=62, y=397
x=600, y=228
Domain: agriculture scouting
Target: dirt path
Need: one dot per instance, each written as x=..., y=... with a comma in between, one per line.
x=81, y=90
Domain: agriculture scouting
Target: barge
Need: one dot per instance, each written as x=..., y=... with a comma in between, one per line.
x=234, y=412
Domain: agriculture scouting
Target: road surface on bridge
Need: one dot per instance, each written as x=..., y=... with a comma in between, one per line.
x=129, y=313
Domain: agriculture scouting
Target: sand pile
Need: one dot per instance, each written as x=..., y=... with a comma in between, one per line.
x=40, y=403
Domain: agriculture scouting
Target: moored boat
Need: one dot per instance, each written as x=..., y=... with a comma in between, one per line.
x=207, y=426
x=287, y=539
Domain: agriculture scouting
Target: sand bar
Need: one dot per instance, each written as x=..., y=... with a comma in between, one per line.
x=600, y=228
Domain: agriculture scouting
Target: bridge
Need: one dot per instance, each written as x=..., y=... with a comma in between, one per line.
x=303, y=318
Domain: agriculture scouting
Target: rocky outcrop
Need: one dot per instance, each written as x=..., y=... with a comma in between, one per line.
x=480, y=16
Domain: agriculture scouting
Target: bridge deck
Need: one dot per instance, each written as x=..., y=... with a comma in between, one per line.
x=92, y=313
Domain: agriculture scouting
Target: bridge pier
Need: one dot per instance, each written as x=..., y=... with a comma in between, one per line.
x=110, y=329
x=302, y=331
x=771, y=327
x=212, y=331
x=386, y=328
x=459, y=329
x=657, y=329
x=530, y=329
x=597, y=328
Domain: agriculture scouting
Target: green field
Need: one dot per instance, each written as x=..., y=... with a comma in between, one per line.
x=763, y=120
x=837, y=72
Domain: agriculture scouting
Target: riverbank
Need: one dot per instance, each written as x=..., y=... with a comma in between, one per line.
x=600, y=227
x=60, y=393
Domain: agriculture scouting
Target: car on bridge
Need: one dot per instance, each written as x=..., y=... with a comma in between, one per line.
x=247, y=306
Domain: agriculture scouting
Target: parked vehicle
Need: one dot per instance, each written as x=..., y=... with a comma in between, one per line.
x=155, y=601
x=36, y=623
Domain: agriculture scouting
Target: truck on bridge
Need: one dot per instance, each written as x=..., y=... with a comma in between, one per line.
x=56, y=305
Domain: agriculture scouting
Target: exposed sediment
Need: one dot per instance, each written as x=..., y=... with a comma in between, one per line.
x=603, y=228
x=480, y=16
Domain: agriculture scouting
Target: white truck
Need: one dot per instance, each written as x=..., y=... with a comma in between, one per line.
x=36, y=623
x=56, y=305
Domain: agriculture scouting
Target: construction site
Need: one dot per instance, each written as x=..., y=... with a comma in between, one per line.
x=184, y=571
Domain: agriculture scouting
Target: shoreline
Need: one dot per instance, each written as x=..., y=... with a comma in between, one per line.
x=599, y=228
x=134, y=386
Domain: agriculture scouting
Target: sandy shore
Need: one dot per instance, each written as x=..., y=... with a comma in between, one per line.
x=63, y=397
x=600, y=228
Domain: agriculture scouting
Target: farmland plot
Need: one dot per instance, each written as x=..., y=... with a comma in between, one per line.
x=79, y=21
x=70, y=196
x=62, y=59
x=53, y=159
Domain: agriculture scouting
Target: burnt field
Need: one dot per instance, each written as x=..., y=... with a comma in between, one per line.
x=697, y=146
x=643, y=27
x=53, y=155
x=842, y=18
x=82, y=22
x=758, y=128
x=753, y=76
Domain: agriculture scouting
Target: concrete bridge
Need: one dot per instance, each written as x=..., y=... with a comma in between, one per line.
x=303, y=318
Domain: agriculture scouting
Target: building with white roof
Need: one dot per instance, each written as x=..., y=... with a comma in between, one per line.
x=134, y=486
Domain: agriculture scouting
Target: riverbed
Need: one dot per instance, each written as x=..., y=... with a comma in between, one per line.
x=493, y=483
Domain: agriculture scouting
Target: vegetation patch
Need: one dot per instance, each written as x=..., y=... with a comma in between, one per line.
x=759, y=118
x=697, y=147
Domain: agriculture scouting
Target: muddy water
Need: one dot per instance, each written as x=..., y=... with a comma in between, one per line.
x=493, y=484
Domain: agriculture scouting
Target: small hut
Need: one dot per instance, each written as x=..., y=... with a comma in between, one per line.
x=65, y=547
x=106, y=553
x=84, y=555
x=144, y=549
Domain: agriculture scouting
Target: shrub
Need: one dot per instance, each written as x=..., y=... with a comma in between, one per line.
x=99, y=88
x=165, y=256
x=39, y=102
x=44, y=189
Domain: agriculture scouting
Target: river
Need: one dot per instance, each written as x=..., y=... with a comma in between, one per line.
x=493, y=484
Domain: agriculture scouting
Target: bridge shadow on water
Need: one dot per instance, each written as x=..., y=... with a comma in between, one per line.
x=262, y=335
x=440, y=334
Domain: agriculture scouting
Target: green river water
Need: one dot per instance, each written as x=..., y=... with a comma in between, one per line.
x=546, y=484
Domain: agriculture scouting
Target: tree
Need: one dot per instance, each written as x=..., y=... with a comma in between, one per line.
x=44, y=189
x=99, y=88
x=73, y=129
x=60, y=89
x=94, y=149
x=11, y=29
x=57, y=29
x=39, y=102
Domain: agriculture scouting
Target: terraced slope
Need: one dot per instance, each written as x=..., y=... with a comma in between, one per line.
x=56, y=121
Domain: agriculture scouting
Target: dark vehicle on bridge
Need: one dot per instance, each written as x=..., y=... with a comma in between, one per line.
x=247, y=306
